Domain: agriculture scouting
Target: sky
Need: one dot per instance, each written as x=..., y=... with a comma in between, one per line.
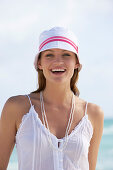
x=21, y=23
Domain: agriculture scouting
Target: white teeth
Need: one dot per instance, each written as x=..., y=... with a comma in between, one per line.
x=58, y=70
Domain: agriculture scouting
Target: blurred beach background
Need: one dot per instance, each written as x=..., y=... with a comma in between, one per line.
x=21, y=23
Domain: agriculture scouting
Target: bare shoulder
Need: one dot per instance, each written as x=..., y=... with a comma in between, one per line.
x=96, y=114
x=11, y=105
x=15, y=107
x=16, y=102
x=94, y=111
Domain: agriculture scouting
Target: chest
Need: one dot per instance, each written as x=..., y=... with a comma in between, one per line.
x=58, y=119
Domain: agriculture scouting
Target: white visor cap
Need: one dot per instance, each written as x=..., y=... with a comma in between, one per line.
x=57, y=37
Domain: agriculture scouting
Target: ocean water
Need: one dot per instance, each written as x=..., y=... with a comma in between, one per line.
x=105, y=155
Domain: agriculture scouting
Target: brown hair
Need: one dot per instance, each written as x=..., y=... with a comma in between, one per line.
x=42, y=80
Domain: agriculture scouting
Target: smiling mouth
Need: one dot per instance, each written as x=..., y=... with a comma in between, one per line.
x=58, y=72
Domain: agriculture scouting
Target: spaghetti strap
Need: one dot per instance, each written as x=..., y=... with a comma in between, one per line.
x=29, y=99
x=86, y=108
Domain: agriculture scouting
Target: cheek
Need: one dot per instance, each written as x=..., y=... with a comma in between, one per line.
x=71, y=67
x=46, y=63
x=71, y=64
x=45, y=68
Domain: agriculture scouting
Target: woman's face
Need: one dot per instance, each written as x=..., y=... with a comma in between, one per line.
x=53, y=59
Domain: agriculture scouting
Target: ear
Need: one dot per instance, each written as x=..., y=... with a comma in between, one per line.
x=76, y=66
x=39, y=64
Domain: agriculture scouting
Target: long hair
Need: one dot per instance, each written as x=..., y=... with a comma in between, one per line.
x=42, y=80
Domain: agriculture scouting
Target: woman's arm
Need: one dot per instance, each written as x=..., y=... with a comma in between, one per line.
x=7, y=132
x=98, y=119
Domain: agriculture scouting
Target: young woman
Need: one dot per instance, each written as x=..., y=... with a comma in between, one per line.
x=52, y=127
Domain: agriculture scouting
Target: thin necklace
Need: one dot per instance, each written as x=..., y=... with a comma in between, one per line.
x=68, y=126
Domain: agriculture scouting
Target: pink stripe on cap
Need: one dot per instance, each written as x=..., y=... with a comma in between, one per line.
x=58, y=38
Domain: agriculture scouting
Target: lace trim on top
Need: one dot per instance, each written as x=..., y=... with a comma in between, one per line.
x=33, y=112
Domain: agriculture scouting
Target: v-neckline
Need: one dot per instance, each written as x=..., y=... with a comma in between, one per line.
x=54, y=136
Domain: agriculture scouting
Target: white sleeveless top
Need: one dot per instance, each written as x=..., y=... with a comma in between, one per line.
x=35, y=153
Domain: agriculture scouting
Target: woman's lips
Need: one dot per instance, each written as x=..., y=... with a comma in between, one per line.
x=59, y=72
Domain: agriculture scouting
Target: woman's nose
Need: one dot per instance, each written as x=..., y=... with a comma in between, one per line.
x=58, y=58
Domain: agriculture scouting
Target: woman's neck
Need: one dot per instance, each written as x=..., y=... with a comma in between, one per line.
x=57, y=97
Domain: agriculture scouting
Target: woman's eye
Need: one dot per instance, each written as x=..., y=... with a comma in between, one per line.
x=66, y=54
x=48, y=55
